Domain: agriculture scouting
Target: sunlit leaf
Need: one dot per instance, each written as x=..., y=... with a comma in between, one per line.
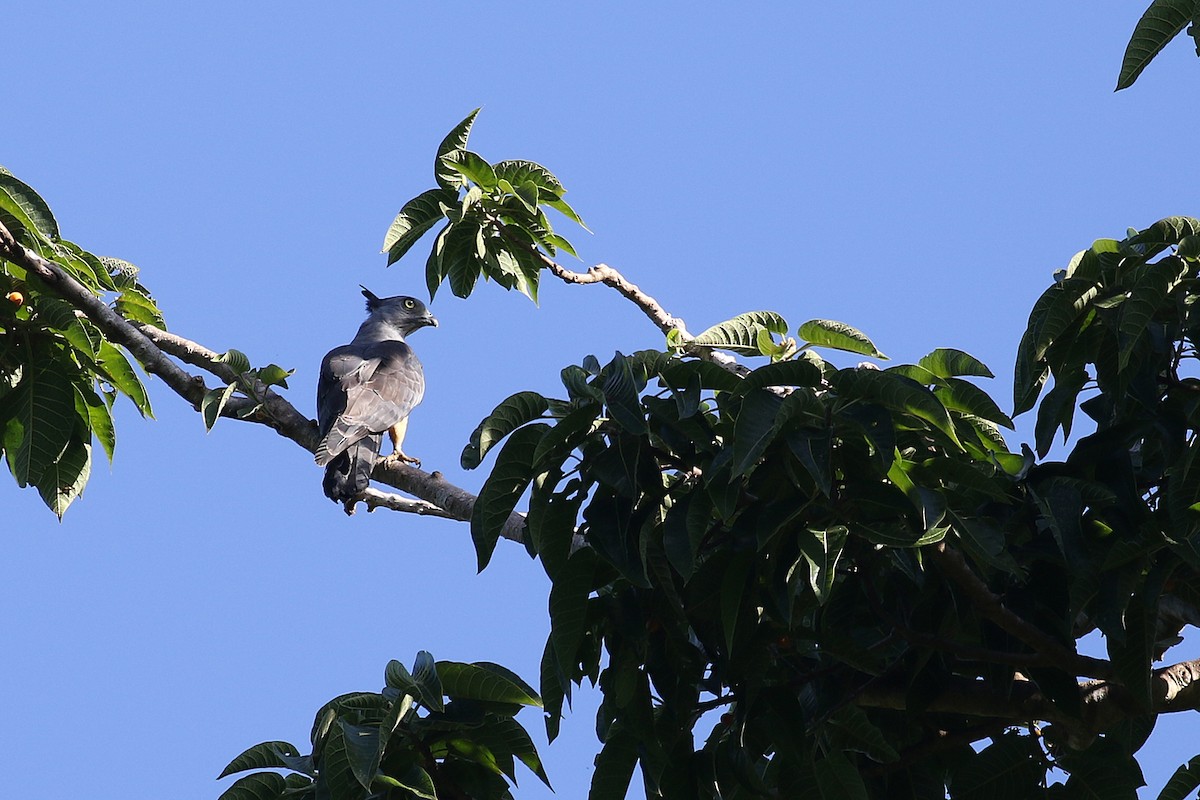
x=838, y=335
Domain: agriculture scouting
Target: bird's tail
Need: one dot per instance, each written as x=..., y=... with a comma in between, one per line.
x=350, y=471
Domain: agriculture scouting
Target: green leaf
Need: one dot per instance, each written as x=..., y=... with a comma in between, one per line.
x=122, y=274
x=1008, y=767
x=755, y=429
x=60, y=316
x=568, y=610
x=426, y=687
x=485, y=681
x=91, y=406
x=510, y=414
x=261, y=756
x=960, y=395
x=20, y=199
x=416, y=217
x=1161, y=23
x=339, y=761
x=614, y=766
x=259, y=786
x=838, y=779
x=1153, y=285
x=506, y=735
x=417, y=781
x=897, y=393
x=446, y=177
x=459, y=259
x=44, y=405
x=214, y=403
x=63, y=480
x=822, y=549
x=863, y=735
x=498, y=498
x=620, y=389
x=1185, y=779
x=138, y=306
x=517, y=172
x=740, y=334
x=947, y=362
x=471, y=166
x=839, y=336
x=783, y=373
x=117, y=370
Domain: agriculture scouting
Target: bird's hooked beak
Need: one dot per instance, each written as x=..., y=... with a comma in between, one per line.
x=430, y=319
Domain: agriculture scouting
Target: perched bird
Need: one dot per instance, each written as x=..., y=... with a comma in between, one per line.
x=365, y=388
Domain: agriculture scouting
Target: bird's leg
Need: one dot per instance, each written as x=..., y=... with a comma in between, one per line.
x=396, y=434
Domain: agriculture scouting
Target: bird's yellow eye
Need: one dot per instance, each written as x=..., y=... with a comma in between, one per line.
x=409, y=303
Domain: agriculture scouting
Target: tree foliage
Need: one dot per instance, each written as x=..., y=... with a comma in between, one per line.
x=789, y=578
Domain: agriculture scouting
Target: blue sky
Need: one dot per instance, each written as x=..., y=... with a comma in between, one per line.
x=918, y=171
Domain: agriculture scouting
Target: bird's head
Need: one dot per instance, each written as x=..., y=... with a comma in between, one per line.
x=405, y=314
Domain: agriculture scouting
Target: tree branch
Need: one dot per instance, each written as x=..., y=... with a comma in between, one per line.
x=951, y=562
x=151, y=346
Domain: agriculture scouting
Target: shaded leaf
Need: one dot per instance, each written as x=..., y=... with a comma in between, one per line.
x=510, y=414
x=498, y=498
x=416, y=217
x=259, y=786
x=1160, y=23
x=261, y=756
x=740, y=334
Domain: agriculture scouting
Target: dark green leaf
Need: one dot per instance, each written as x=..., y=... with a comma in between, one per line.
x=415, y=218
x=822, y=549
x=138, y=306
x=947, y=362
x=44, y=405
x=427, y=690
x=259, y=786
x=897, y=393
x=460, y=259
x=19, y=199
x=261, y=756
x=965, y=396
x=505, y=418
x=783, y=373
x=614, y=766
x=63, y=479
x=1160, y=23
x=214, y=403
x=1185, y=779
x=620, y=389
x=486, y=682
x=755, y=428
x=837, y=778
x=498, y=498
x=455, y=140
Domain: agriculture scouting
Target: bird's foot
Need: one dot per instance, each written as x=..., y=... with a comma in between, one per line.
x=397, y=455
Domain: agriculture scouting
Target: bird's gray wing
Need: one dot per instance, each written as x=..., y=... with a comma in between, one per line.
x=364, y=390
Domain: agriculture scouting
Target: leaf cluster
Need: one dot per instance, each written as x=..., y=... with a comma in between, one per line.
x=59, y=375
x=495, y=221
x=1162, y=21
x=445, y=729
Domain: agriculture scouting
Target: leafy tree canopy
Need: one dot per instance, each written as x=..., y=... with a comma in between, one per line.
x=788, y=578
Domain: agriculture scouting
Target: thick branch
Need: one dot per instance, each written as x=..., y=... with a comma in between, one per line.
x=1175, y=688
x=951, y=562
